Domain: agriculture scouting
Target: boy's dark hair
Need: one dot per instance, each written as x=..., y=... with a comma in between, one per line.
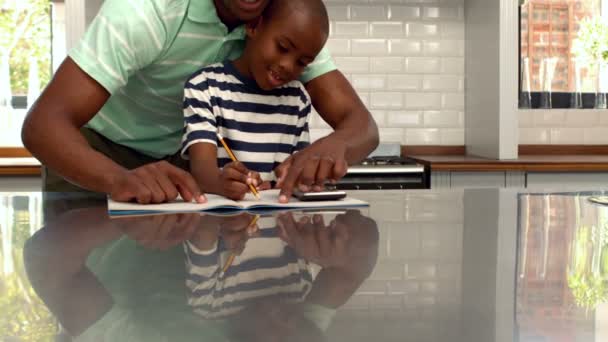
x=313, y=8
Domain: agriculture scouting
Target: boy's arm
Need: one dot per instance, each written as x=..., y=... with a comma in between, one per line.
x=204, y=169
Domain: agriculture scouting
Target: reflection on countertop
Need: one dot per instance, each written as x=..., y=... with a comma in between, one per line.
x=464, y=265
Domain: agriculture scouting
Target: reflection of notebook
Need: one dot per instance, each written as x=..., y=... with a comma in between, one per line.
x=268, y=201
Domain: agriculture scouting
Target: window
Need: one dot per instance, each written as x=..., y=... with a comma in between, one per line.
x=551, y=75
x=26, y=59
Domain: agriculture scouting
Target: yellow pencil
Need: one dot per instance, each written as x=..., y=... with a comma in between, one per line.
x=233, y=255
x=233, y=157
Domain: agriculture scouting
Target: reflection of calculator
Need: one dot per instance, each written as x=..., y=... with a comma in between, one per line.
x=599, y=199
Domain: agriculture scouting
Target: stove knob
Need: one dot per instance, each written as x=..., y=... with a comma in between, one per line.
x=357, y=187
x=401, y=186
x=380, y=187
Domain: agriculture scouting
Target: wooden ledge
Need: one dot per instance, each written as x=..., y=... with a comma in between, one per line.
x=19, y=167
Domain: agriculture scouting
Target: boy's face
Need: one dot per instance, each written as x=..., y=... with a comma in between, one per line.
x=243, y=10
x=278, y=50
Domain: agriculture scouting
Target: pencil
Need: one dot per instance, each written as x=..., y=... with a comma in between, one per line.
x=233, y=157
x=233, y=255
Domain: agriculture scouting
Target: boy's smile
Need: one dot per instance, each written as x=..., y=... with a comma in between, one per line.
x=280, y=47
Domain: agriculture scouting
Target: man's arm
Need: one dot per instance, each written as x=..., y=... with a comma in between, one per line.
x=51, y=132
x=355, y=136
x=338, y=104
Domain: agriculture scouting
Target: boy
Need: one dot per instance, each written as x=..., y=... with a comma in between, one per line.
x=255, y=102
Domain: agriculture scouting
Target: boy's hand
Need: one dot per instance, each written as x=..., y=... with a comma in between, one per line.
x=155, y=183
x=310, y=168
x=235, y=179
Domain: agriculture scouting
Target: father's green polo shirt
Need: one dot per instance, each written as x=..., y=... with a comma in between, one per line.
x=142, y=52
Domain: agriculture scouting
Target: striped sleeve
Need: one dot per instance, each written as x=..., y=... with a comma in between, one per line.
x=199, y=120
x=125, y=36
x=304, y=137
x=322, y=64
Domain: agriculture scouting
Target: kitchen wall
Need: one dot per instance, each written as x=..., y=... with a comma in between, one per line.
x=563, y=126
x=405, y=58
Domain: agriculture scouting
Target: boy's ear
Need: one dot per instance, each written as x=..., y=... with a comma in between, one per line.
x=253, y=26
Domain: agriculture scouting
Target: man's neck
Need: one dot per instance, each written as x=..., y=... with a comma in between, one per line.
x=225, y=16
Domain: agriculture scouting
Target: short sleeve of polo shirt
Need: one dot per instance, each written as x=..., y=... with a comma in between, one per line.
x=124, y=37
x=322, y=64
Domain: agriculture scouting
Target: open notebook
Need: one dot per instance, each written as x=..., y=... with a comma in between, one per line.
x=269, y=201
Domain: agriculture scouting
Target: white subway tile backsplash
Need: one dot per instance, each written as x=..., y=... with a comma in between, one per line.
x=422, y=30
x=422, y=65
x=444, y=48
x=352, y=64
x=452, y=65
x=452, y=136
x=452, y=100
x=595, y=136
x=439, y=82
x=452, y=29
x=386, y=64
x=534, y=136
x=353, y=29
x=525, y=118
x=369, y=12
x=422, y=136
x=402, y=47
x=338, y=12
x=583, y=118
x=405, y=82
x=338, y=47
x=386, y=29
x=386, y=100
x=404, y=118
x=369, y=82
x=369, y=47
x=422, y=100
x=552, y=118
x=400, y=12
x=436, y=118
x=562, y=136
x=405, y=59
x=394, y=135
x=433, y=12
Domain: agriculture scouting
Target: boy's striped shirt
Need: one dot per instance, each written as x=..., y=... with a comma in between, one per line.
x=262, y=128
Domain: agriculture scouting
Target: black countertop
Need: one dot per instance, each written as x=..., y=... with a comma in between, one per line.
x=467, y=265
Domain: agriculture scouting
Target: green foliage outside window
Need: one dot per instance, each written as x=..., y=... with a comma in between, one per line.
x=23, y=315
x=25, y=33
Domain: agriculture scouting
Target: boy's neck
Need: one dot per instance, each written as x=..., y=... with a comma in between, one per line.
x=242, y=66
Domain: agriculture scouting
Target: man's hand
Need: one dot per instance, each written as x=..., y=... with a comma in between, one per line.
x=235, y=179
x=323, y=161
x=160, y=232
x=155, y=183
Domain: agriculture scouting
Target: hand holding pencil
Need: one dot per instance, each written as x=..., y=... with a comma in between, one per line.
x=237, y=180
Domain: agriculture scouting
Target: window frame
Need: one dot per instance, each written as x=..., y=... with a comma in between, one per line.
x=21, y=101
x=559, y=100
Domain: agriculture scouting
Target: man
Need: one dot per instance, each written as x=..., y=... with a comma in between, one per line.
x=124, y=82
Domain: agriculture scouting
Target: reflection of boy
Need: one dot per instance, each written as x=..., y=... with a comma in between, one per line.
x=255, y=102
x=265, y=269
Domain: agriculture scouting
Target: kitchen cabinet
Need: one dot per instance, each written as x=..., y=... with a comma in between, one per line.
x=517, y=179
x=486, y=179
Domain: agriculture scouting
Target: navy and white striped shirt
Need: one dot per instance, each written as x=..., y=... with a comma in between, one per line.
x=262, y=128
